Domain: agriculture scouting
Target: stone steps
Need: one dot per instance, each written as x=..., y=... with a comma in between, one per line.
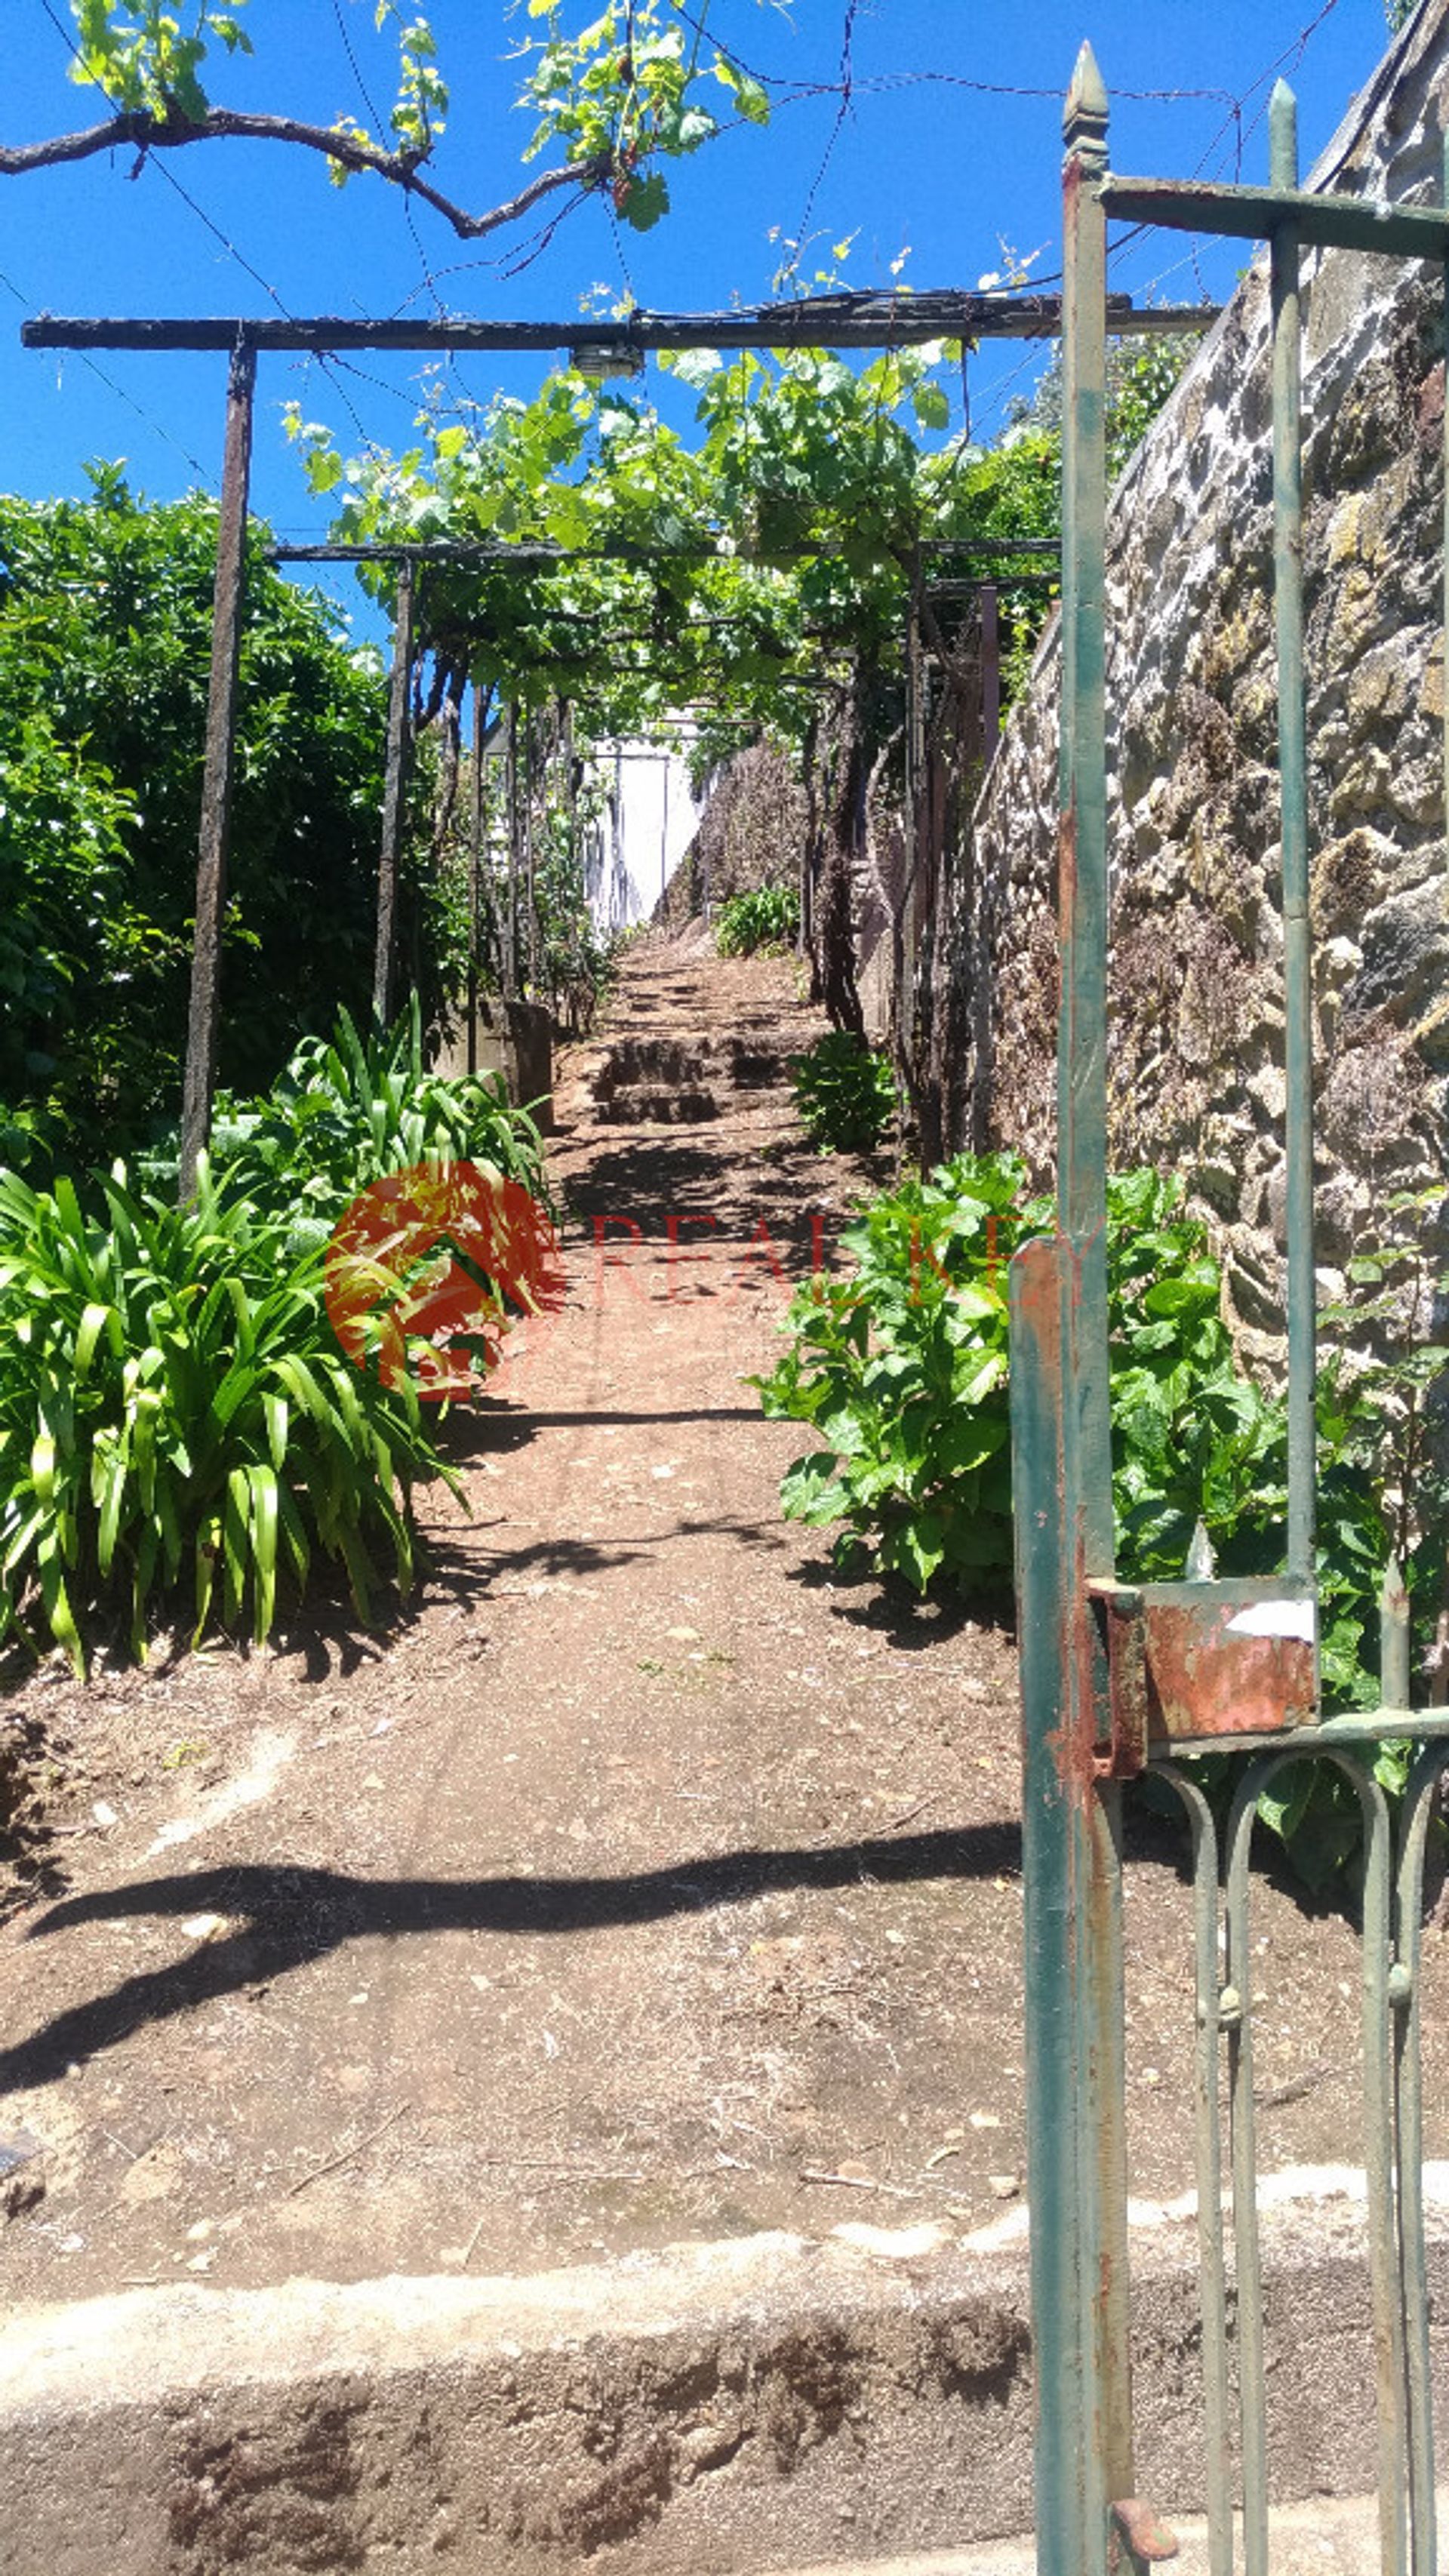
x=670, y=1082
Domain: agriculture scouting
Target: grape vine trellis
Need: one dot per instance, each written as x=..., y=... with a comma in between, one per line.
x=895, y=324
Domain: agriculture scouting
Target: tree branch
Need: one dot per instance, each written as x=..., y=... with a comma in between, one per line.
x=150, y=133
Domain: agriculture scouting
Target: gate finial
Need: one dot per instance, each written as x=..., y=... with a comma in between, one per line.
x=1084, y=118
x=1283, y=135
x=1202, y=1565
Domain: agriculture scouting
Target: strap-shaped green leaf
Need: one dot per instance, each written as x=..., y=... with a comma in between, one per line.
x=56, y=1599
x=263, y=1484
x=275, y=1414
x=97, y=1319
x=235, y=1515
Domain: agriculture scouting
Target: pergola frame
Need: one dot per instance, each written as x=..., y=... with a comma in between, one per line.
x=845, y=321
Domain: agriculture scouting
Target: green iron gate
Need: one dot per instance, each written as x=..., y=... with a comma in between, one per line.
x=1117, y=1678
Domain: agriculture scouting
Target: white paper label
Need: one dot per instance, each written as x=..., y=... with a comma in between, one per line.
x=1274, y=1619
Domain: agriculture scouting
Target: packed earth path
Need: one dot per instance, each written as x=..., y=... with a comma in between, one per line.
x=643, y=1880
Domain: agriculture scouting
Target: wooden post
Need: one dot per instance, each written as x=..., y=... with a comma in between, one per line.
x=990, y=672
x=906, y=928
x=228, y=607
x=475, y=873
x=530, y=882
x=394, y=796
x=510, y=943
x=574, y=875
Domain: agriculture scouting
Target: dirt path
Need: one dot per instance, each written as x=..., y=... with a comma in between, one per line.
x=641, y=1879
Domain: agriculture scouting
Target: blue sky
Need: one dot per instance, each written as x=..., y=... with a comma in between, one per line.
x=924, y=162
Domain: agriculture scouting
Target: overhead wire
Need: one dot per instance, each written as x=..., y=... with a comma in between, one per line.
x=157, y=427
x=849, y=85
x=842, y=113
x=327, y=360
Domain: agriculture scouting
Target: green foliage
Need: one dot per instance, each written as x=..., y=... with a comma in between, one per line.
x=766, y=920
x=902, y=1371
x=845, y=1093
x=792, y=449
x=174, y=1409
x=890, y=1362
x=573, y=964
x=174, y=1405
x=626, y=88
x=105, y=627
x=633, y=85
x=140, y=57
x=1143, y=374
x=137, y=53
x=347, y=1112
x=68, y=928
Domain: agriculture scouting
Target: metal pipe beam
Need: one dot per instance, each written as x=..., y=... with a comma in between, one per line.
x=491, y=552
x=815, y=322
x=1322, y=221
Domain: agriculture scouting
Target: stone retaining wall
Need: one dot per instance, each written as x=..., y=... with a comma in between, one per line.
x=1196, y=970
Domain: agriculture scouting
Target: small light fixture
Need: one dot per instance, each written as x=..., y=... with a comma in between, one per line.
x=597, y=359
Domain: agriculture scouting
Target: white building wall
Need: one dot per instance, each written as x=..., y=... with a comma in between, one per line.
x=649, y=822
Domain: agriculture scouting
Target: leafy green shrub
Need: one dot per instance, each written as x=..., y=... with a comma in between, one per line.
x=761, y=923
x=845, y=1094
x=173, y=1401
x=105, y=625
x=346, y=1112
x=902, y=1370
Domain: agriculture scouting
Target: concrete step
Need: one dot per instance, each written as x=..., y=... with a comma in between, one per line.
x=730, y=2409
x=1329, y=2537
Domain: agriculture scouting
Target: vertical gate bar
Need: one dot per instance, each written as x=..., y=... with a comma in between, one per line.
x=1293, y=776
x=1388, y=2323
x=1207, y=2142
x=1408, y=2090
x=394, y=796
x=1082, y=848
x=1105, y=2105
x=1073, y=2490
x=228, y=610
x=1236, y=2009
x=1082, y=897
x=1380, y=2163
x=1395, y=1639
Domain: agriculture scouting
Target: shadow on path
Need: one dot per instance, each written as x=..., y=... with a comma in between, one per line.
x=289, y=1917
